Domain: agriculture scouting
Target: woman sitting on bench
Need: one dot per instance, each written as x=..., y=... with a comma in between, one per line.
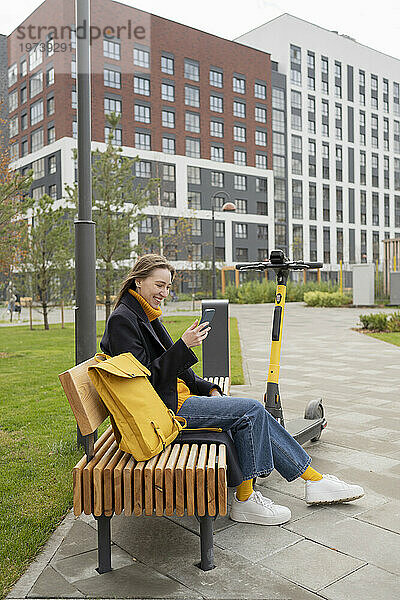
x=262, y=443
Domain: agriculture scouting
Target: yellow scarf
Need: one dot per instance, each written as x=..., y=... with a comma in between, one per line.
x=154, y=313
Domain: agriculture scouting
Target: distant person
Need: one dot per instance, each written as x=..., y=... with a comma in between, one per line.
x=17, y=307
x=262, y=443
x=11, y=306
x=174, y=297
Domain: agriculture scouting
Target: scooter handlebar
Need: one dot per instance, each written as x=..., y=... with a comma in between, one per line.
x=290, y=266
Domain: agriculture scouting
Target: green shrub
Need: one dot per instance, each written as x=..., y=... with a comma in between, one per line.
x=318, y=298
x=394, y=322
x=256, y=292
x=374, y=321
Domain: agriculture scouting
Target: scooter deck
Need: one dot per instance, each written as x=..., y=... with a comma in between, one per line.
x=305, y=429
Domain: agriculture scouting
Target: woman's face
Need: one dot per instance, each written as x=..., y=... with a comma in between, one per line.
x=155, y=287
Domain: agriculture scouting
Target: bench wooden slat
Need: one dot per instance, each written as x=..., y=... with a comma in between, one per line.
x=128, y=486
x=191, y=479
x=200, y=480
x=222, y=480
x=88, y=475
x=180, y=481
x=138, y=488
x=149, y=485
x=169, y=477
x=108, y=482
x=159, y=481
x=118, y=483
x=77, y=475
x=211, y=503
x=98, y=473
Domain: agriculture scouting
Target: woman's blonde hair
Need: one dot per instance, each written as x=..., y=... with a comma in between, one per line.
x=144, y=267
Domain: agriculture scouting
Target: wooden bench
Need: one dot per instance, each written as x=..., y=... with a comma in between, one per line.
x=187, y=478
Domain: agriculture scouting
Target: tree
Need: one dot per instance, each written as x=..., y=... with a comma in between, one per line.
x=12, y=206
x=117, y=203
x=48, y=246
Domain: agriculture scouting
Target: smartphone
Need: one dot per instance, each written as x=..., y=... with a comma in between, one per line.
x=208, y=315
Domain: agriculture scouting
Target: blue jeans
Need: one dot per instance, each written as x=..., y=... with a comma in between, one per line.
x=261, y=442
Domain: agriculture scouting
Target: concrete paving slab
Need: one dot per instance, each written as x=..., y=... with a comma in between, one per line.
x=51, y=584
x=254, y=542
x=192, y=524
x=386, y=516
x=301, y=563
x=358, y=539
x=368, y=583
x=81, y=538
x=83, y=565
x=134, y=581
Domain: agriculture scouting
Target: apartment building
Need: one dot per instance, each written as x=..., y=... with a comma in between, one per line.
x=3, y=91
x=343, y=141
x=194, y=107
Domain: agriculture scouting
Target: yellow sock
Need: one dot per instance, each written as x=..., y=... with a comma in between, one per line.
x=244, y=490
x=311, y=474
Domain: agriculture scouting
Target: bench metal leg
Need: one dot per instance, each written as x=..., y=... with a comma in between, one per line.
x=104, y=543
x=206, y=542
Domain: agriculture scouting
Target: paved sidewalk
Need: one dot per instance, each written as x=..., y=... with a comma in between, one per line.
x=345, y=552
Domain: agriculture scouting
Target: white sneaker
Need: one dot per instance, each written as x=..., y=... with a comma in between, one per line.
x=330, y=490
x=259, y=510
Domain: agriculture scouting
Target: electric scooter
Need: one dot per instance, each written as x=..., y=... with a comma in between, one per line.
x=311, y=426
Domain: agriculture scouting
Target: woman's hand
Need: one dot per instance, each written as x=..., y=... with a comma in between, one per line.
x=195, y=334
x=215, y=392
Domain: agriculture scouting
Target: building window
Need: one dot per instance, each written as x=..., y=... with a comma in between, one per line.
x=141, y=58
x=279, y=165
x=216, y=78
x=13, y=126
x=192, y=122
x=216, y=104
x=192, y=148
x=260, y=91
x=168, y=145
x=168, y=199
x=38, y=192
x=23, y=95
x=146, y=225
x=219, y=229
x=142, y=141
x=297, y=199
x=192, y=96
x=239, y=133
x=141, y=85
x=297, y=242
x=168, y=172
x=51, y=135
x=261, y=161
x=168, y=119
x=53, y=191
x=142, y=113
x=35, y=57
x=12, y=74
x=260, y=114
x=112, y=106
x=240, y=230
x=375, y=208
x=194, y=200
x=261, y=208
x=13, y=101
x=38, y=169
x=325, y=203
x=239, y=157
x=116, y=136
x=217, y=153
x=239, y=109
x=217, y=179
x=111, y=49
x=363, y=207
x=167, y=65
x=24, y=148
x=260, y=138
x=278, y=143
x=312, y=201
x=112, y=78
x=168, y=92
x=74, y=130
x=278, y=98
x=36, y=84
x=239, y=85
x=240, y=182
x=50, y=77
x=36, y=112
x=193, y=174
x=241, y=206
x=339, y=205
x=74, y=99
x=37, y=141
x=192, y=70
x=52, y=165
x=143, y=169
x=262, y=232
x=327, y=245
x=14, y=152
x=169, y=225
x=216, y=129
x=295, y=77
x=242, y=254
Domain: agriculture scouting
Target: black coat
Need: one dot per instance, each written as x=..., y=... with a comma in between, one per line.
x=128, y=330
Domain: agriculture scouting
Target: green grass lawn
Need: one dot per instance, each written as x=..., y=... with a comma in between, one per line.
x=391, y=338
x=38, y=436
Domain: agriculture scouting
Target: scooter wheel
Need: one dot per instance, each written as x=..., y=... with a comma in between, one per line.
x=315, y=410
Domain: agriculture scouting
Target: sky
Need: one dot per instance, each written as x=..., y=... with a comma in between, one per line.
x=375, y=24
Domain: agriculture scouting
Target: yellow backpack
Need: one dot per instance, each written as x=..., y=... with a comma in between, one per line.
x=143, y=425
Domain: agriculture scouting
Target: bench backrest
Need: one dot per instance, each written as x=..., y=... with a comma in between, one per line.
x=83, y=398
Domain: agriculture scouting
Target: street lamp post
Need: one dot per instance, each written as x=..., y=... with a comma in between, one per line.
x=228, y=206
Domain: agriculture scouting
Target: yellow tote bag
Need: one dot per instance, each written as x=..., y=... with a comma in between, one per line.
x=143, y=425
